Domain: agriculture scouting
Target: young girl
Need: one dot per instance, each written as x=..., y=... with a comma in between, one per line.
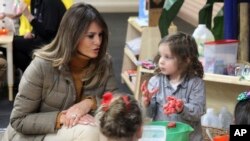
x=120, y=118
x=178, y=78
x=241, y=111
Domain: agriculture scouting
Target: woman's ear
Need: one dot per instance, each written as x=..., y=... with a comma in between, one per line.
x=139, y=132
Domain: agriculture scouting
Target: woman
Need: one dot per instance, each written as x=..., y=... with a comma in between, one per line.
x=45, y=17
x=65, y=81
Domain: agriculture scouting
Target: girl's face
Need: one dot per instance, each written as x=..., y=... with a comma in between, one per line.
x=89, y=45
x=167, y=62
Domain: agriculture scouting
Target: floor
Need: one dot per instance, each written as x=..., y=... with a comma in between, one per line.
x=117, y=24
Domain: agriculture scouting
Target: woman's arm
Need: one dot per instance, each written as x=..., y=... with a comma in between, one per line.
x=26, y=117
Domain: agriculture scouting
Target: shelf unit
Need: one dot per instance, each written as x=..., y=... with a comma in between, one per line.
x=150, y=37
x=222, y=90
x=226, y=79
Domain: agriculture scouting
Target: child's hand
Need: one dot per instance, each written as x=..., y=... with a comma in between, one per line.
x=147, y=95
x=173, y=105
x=179, y=105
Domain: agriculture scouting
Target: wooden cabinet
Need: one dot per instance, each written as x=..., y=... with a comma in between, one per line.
x=150, y=37
x=222, y=90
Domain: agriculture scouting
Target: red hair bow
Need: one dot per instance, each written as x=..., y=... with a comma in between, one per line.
x=106, y=99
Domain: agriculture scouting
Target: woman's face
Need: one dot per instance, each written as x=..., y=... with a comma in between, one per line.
x=89, y=45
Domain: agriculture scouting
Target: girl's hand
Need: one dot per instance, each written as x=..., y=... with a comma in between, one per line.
x=147, y=95
x=76, y=112
x=173, y=105
x=179, y=105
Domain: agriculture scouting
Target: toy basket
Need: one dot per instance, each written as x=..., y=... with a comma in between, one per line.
x=214, y=132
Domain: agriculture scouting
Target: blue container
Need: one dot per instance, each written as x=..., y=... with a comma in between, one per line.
x=143, y=10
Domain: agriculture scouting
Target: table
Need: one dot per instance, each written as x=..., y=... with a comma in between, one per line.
x=6, y=42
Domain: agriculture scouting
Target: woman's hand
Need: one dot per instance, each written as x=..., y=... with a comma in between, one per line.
x=73, y=115
x=87, y=120
x=146, y=94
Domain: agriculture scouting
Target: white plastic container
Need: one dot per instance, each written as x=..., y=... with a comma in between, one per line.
x=210, y=119
x=225, y=117
x=201, y=35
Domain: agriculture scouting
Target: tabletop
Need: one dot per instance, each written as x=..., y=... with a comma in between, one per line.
x=4, y=39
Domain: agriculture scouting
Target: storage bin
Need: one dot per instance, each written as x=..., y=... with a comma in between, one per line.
x=218, y=54
x=213, y=131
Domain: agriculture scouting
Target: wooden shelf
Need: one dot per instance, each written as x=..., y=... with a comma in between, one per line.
x=235, y=80
x=150, y=37
x=132, y=21
x=128, y=82
x=143, y=70
x=131, y=56
x=225, y=79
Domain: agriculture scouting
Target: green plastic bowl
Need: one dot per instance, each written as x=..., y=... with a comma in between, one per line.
x=179, y=133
